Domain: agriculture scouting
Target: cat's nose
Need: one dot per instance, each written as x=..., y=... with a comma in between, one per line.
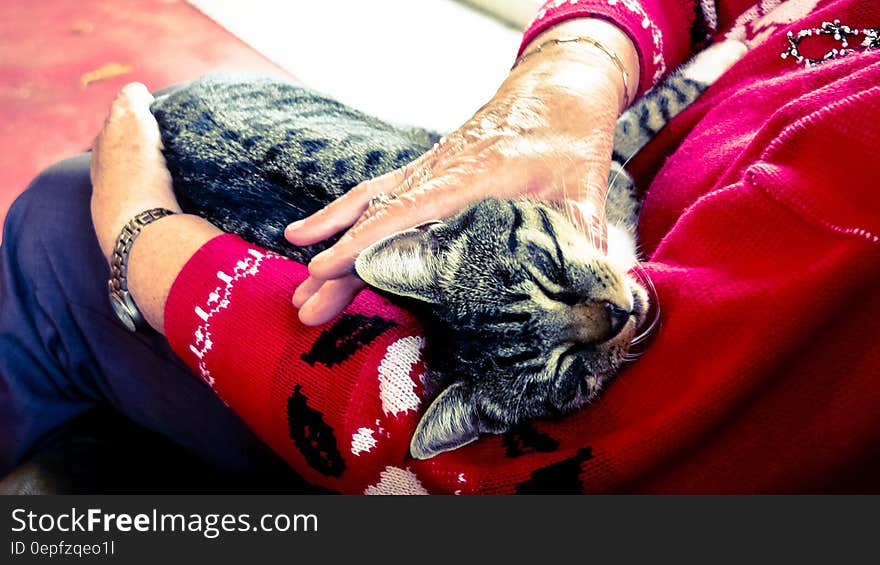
x=617, y=317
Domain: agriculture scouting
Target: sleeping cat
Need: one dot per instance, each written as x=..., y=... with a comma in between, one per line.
x=523, y=317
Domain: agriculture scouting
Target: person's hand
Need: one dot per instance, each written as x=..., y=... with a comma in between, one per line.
x=547, y=134
x=127, y=169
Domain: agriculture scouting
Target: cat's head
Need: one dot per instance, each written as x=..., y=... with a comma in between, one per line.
x=525, y=319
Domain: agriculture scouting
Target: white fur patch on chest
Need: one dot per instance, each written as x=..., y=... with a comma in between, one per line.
x=621, y=249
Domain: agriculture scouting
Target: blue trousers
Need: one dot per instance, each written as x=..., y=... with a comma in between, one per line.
x=63, y=352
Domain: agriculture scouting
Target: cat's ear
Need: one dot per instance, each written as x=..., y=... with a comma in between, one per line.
x=404, y=263
x=450, y=422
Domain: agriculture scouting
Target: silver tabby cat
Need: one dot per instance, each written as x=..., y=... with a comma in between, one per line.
x=523, y=317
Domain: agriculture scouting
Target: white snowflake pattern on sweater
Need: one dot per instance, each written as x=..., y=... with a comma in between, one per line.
x=396, y=387
x=219, y=300
x=362, y=441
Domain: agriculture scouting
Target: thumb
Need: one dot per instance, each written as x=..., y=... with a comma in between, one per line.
x=137, y=95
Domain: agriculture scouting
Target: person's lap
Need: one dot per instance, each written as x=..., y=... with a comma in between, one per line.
x=62, y=351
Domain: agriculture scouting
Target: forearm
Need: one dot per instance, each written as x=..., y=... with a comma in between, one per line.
x=315, y=395
x=157, y=257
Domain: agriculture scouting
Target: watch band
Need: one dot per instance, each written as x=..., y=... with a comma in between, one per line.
x=120, y=299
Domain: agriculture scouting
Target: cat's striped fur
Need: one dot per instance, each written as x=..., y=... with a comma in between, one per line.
x=524, y=318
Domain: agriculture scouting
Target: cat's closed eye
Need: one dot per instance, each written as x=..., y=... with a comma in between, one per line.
x=537, y=317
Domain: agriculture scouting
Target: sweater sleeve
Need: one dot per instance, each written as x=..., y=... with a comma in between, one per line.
x=663, y=31
x=338, y=401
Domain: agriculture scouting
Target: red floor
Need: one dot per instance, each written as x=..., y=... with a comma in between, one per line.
x=46, y=47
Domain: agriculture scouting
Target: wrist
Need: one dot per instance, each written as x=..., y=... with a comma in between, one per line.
x=109, y=222
x=586, y=45
x=157, y=257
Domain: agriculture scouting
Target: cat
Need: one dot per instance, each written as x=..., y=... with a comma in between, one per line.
x=523, y=317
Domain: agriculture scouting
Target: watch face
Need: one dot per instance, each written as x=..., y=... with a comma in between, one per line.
x=121, y=310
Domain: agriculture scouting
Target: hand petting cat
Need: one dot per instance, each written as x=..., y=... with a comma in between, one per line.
x=547, y=134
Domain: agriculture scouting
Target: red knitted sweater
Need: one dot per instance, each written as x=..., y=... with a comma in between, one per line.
x=762, y=228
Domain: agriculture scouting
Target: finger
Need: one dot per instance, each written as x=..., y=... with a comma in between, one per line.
x=344, y=211
x=305, y=291
x=436, y=199
x=330, y=300
x=329, y=220
x=136, y=97
x=130, y=116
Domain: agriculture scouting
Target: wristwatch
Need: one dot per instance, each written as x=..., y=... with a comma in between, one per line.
x=120, y=299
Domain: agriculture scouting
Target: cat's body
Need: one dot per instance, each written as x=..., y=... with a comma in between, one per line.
x=523, y=317
x=251, y=153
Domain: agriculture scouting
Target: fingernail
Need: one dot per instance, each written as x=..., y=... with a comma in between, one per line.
x=297, y=301
x=307, y=314
x=300, y=296
x=295, y=225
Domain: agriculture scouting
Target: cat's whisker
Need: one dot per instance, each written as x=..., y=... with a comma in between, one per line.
x=567, y=210
x=618, y=173
x=460, y=286
x=632, y=356
x=589, y=231
x=578, y=224
x=642, y=337
x=522, y=395
x=655, y=300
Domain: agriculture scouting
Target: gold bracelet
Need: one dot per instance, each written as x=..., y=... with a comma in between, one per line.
x=589, y=41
